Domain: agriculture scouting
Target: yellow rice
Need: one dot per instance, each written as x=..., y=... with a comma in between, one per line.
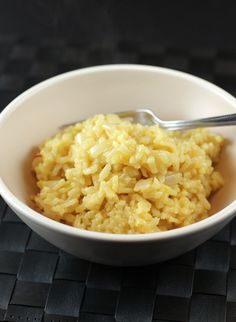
x=110, y=175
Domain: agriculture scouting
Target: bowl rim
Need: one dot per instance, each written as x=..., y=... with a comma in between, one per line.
x=46, y=222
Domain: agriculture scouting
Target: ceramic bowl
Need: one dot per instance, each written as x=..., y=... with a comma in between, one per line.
x=41, y=110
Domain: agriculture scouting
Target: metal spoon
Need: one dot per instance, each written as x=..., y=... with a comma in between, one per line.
x=148, y=117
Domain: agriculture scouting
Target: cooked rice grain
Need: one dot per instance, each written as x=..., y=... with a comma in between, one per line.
x=109, y=175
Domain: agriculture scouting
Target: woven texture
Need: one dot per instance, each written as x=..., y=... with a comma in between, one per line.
x=38, y=282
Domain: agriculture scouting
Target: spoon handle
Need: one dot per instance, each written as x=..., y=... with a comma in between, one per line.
x=222, y=120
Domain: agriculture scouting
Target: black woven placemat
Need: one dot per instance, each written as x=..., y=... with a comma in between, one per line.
x=38, y=282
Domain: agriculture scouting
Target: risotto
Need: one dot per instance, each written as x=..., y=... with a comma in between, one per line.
x=110, y=175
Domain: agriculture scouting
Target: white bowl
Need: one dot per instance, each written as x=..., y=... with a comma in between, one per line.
x=76, y=95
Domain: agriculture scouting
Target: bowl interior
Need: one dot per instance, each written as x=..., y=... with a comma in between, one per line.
x=39, y=112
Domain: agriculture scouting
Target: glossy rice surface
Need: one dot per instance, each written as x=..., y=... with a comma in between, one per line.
x=110, y=175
